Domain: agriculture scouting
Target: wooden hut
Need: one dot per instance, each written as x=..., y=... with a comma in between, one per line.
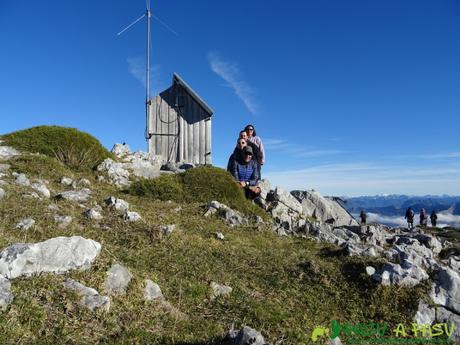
x=179, y=125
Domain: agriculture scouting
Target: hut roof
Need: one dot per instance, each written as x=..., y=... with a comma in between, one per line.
x=178, y=80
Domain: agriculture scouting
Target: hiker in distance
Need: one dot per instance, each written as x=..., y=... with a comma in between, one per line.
x=433, y=218
x=410, y=218
x=423, y=218
x=363, y=217
x=245, y=173
x=253, y=138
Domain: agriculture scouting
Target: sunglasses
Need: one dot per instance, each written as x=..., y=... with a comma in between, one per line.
x=250, y=129
x=248, y=154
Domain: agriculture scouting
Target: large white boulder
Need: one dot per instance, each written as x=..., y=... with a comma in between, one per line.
x=58, y=255
x=326, y=210
x=7, y=152
x=446, y=290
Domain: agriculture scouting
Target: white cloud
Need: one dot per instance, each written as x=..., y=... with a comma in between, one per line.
x=136, y=66
x=295, y=150
x=444, y=219
x=444, y=155
x=230, y=72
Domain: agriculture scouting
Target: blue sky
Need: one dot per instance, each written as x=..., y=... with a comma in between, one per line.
x=349, y=97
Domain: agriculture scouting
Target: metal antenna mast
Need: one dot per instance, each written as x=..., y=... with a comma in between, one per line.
x=148, y=15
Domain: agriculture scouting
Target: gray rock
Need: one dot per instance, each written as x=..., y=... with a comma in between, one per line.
x=6, y=297
x=232, y=217
x=7, y=152
x=90, y=298
x=219, y=235
x=247, y=336
x=62, y=221
x=25, y=224
x=152, y=291
x=446, y=290
x=219, y=290
x=425, y=314
x=168, y=229
x=116, y=171
x=93, y=213
x=370, y=270
x=452, y=320
x=131, y=216
x=395, y=274
x=41, y=188
x=84, y=182
x=287, y=199
x=74, y=195
x=120, y=150
x=21, y=179
x=144, y=164
x=327, y=210
x=53, y=207
x=117, y=281
x=58, y=255
x=32, y=195
x=264, y=188
x=2, y=193
x=119, y=204
x=67, y=181
x=346, y=235
x=4, y=167
x=431, y=242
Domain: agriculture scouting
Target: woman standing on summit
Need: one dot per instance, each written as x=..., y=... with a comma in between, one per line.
x=253, y=138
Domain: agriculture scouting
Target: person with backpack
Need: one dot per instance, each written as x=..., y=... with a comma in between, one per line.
x=423, y=218
x=433, y=218
x=410, y=218
x=363, y=217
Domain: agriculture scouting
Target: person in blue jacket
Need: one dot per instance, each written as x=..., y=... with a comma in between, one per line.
x=245, y=172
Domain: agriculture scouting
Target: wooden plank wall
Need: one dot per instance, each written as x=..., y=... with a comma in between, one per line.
x=185, y=138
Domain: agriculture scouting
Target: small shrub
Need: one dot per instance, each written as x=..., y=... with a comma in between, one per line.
x=76, y=149
x=202, y=184
x=165, y=187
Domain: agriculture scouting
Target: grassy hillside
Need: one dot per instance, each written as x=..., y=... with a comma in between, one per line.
x=283, y=287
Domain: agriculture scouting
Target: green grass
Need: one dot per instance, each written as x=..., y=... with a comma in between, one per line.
x=283, y=287
x=199, y=185
x=76, y=149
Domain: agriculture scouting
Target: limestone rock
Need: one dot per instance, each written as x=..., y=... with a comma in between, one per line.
x=425, y=314
x=73, y=195
x=327, y=210
x=2, y=193
x=168, y=229
x=117, y=281
x=25, y=224
x=265, y=187
x=248, y=335
x=117, y=173
x=219, y=290
x=370, y=270
x=90, y=298
x=41, y=188
x=93, y=213
x=120, y=150
x=58, y=255
x=6, y=296
x=232, y=217
x=84, y=182
x=119, y=204
x=7, y=152
x=67, y=181
x=452, y=320
x=446, y=290
x=62, y=221
x=21, y=179
x=287, y=199
x=152, y=291
x=131, y=216
x=219, y=235
x=395, y=274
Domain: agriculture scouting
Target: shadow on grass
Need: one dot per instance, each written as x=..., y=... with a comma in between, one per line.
x=355, y=273
x=330, y=252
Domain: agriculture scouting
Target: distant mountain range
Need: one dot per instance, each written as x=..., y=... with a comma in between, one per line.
x=396, y=205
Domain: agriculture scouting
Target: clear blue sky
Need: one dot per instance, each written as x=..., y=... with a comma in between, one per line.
x=349, y=97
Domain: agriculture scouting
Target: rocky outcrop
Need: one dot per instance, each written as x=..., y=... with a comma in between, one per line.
x=326, y=210
x=7, y=152
x=57, y=255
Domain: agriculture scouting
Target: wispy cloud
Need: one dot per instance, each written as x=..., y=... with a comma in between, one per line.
x=367, y=178
x=295, y=150
x=136, y=66
x=445, y=155
x=230, y=72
